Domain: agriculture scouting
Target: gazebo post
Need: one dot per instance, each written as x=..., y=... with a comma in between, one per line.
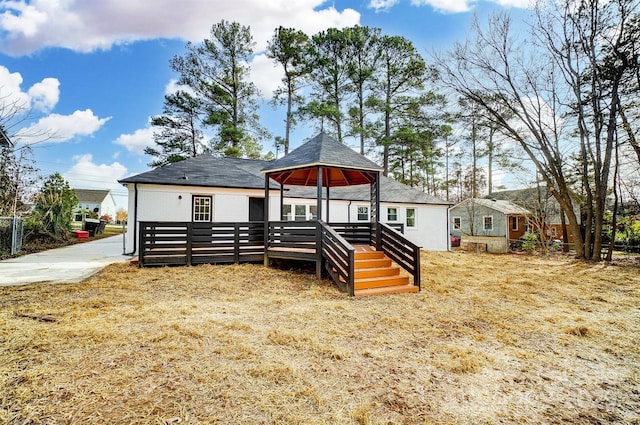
x=281, y=201
x=327, y=204
x=267, y=176
x=375, y=208
x=318, y=219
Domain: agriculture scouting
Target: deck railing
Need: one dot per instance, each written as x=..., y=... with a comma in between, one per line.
x=179, y=243
x=339, y=258
x=401, y=250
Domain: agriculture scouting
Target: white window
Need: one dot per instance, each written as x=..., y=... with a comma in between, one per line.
x=411, y=217
x=363, y=213
x=514, y=223
x=487, y=222
x=457, y=222
x=202, y=208
x=286, y=212
x=392, y=214
x=301, y=212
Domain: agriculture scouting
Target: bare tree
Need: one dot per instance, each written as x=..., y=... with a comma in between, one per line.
x=539, y=93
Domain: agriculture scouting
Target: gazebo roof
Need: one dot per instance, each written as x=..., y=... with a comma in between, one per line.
x=342, y=166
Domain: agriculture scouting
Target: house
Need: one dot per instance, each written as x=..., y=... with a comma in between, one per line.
x=100, y=202
x=215, y=189
x=489, y=222
x=546, y=212
x=322, y=189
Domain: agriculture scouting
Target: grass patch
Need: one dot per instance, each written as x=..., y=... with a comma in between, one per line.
x=490, y=339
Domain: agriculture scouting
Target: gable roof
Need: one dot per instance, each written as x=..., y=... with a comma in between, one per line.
x=207, y=171
x=505, y=207
x=92, y=196
x=540, y=201
x=210, y=171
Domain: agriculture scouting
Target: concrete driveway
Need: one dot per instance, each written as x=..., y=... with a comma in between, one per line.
x=70, y=264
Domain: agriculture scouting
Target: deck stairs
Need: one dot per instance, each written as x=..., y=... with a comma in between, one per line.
x=375, y=274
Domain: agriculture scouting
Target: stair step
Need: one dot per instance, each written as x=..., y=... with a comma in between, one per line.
x=368, y=255
x=376, y=282
x=398, y=289
x=372, y=263
x=361, y=273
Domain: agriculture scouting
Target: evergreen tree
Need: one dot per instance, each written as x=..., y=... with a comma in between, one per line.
x=287, y=48
x=179, y=136
x=217, y=71
x=51, y=218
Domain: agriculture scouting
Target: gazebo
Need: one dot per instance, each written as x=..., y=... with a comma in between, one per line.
x=324, y=163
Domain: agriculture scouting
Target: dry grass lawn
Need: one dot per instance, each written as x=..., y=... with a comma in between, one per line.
x=490, y=339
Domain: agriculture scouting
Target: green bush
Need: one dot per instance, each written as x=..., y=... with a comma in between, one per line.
x=529, y=242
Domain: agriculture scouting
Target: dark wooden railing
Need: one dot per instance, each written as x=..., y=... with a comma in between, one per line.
x=179, y=243
x=339, y=258
x=401, y=250
x=296, y=240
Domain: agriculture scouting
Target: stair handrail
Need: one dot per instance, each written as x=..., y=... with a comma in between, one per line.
x=400, y=249
x=339, y=255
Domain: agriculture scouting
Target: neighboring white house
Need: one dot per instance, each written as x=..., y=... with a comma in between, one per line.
x=100, y=202
x=208, y=188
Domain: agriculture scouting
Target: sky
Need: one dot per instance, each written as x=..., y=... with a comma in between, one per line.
x=81, y=78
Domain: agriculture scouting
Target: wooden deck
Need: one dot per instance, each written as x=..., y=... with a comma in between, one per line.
x=361, y=258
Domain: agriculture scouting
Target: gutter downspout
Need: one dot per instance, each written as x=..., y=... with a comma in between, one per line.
x=135, y=220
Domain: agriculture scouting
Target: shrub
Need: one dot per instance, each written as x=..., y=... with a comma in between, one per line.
x=529, y=242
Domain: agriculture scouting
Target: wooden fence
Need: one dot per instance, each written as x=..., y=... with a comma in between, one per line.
x=178, y=243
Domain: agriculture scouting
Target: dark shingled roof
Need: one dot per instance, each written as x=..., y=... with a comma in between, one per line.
x=207, y=171
x=210, y=171
x=391, y=191
x=322, y=150
x=342, y=165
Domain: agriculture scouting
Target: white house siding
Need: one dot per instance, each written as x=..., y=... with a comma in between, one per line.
x=163, y=203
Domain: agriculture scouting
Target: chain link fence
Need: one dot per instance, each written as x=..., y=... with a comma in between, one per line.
x=11, y=231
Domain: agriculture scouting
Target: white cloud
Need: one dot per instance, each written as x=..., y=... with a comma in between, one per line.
x=382, y=4
x=85, y=26
x=86, y=174
x=45, y=94
x=448, y=6
x=459, y=6
x=61, y=128
x=137, y=141
x=42, y=96
x=266, y=75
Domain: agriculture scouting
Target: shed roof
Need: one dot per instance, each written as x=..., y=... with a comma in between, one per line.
x=343, y=165
x=93, y=196
x=505, y=207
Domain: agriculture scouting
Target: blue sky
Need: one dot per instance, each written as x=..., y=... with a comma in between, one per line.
x=91, y=73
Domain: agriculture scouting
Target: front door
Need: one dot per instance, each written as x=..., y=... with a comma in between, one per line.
x=256, y=209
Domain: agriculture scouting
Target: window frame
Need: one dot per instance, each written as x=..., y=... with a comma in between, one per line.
x=194, y=212
x=484, y=223
x=459, y=220
x=413, y=217
x=358, y=213
x=389, y=219
x=514, y=220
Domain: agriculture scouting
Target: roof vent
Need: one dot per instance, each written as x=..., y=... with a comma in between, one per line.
x=184, y=177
